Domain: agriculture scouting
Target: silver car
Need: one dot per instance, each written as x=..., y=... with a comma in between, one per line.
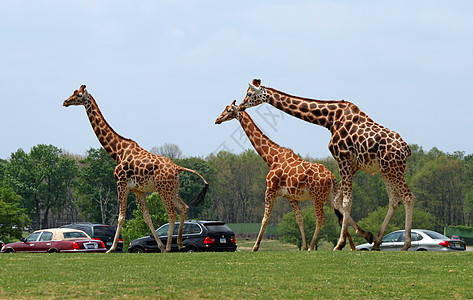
x=421, y=240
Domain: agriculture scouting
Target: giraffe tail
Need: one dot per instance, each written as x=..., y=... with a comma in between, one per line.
x=199, y=198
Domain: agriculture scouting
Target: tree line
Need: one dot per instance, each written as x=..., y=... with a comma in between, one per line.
x=48, y=187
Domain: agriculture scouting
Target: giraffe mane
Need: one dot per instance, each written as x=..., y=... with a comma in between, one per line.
x=307, y=99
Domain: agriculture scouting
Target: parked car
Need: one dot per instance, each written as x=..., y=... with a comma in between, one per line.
x=455, y=237
x=56, y=240
x=1, y=245
x=196, y=236
x=421, y=240
x=102, y=232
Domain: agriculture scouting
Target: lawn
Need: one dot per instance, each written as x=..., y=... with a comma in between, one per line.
x=277, y=271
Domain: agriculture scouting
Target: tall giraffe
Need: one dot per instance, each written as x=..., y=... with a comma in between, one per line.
x=289, y=177
x=138, y=171
x=357, y=143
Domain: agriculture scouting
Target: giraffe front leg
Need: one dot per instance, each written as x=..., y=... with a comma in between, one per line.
x=122, y=200
x=300, y=222
x=268, y=207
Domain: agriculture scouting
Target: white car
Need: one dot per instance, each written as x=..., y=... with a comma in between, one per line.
x=421, y=240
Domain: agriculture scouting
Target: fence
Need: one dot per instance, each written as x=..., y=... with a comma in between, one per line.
x=464, y=232
x=251, y=230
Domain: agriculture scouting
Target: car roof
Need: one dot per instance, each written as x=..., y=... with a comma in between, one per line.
x=61, y=231
x=86, y=224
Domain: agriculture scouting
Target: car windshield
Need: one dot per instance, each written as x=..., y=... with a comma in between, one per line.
x=217, y=228
x=435, y=235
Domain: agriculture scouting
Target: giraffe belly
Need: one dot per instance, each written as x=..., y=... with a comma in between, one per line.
x=294, y=193
x=144, y=185
x=372, y=167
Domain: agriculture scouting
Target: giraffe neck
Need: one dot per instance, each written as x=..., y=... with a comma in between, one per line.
x=320, y=112
x=265, y=147
x=112, y=142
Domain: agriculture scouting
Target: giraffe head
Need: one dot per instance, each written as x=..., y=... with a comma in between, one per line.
x=231, y=112
x=254, y=96
x=80, y=97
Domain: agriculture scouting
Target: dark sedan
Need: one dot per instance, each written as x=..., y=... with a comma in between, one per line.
x=196, y=236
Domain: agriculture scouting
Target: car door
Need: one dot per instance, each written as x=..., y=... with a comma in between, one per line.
x=29, y=243
x=44, y=242
x=392, y=241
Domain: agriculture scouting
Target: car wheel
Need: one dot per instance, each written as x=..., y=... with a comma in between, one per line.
x=363, y=249
x=9, y=250
x=421, y=250
x=138, y=250
x=191, y=249
x=53, y=251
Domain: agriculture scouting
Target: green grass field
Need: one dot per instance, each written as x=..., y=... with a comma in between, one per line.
x=276, y=271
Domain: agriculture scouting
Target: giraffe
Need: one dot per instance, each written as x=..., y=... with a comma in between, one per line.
x=357, y=143
x=289, y=177
x=138, y=171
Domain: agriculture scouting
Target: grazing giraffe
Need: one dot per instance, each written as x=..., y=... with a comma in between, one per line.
x=138, y=171
x=289, y=177
x=357, y=143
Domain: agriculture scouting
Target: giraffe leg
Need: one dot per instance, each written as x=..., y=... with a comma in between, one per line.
x=345, y=196
x=123, y=191
x=300, y=221
x=172, y=216
x=268, y=203
x=398, y=192
x=319, y=219
x=141, y=197
x=183, y=209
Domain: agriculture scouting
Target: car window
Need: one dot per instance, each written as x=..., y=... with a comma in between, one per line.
x=163, y=230
x=194, y=229
x=74, y=234
x=418, y=237
x=33, y=237
x=435, y=235
x=218, y=228
x=46, y=236
x=104, y=230
x=393, y=237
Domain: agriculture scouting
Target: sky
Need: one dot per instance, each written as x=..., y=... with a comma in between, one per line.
x=163, y=71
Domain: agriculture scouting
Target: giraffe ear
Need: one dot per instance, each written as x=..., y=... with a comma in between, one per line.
x=256, y=82
x=234, y=101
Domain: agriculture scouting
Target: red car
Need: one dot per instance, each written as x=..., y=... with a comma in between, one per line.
x=53, y=240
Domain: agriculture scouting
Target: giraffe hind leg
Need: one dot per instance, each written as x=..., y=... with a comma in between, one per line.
x=141, y=197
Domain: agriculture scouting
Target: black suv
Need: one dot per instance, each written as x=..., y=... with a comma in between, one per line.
x=196, y=236
x=105, y=233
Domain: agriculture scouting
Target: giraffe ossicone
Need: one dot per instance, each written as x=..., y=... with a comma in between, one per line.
x=138, y=171
x=357, y=143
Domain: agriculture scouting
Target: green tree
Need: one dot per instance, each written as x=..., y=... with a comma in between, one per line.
x=439, y=189
x=44, y=178
x=238, y=191
x=12, y=218
x=136, y=227
x=191, y=184
x=97, y=188
x=290, y=233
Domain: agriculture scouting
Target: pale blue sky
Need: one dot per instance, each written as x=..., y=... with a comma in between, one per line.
x=163, y=71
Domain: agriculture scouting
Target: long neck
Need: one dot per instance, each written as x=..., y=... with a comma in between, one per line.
x=265, y=147
x=323, y=113
x=112, y=142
